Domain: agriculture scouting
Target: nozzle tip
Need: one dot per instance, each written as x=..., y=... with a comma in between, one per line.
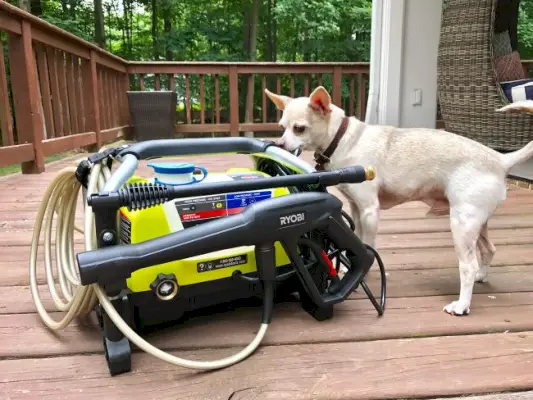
x=370, y=173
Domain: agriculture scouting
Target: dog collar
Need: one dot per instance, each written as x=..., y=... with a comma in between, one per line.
x=322, y=159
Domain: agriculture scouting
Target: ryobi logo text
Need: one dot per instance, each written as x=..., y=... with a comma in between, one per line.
x=292, y=219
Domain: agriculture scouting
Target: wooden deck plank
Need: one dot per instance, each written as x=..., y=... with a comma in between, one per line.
x=24, y=335
x=499, y=396
x=443, y=366
x=355, y=355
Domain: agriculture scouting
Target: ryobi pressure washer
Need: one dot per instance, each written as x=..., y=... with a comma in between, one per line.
x=156, y=249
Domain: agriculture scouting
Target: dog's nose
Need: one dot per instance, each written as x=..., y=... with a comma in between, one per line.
x=281, y=143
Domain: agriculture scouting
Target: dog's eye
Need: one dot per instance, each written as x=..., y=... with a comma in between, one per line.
x=298, y=128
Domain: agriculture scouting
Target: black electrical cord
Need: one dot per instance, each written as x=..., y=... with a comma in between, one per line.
x=268, y=301
x=379, y=307
x=272, y=167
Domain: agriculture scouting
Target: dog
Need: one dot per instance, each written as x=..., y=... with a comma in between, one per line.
x=455, y=176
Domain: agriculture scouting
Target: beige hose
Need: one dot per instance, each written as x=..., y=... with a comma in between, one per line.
x=60, y=199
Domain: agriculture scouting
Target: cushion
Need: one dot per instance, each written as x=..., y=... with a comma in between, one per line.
x=501, y=42
x=521, y=89
x=509, y=67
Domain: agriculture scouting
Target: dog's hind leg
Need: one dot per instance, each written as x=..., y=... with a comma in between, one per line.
x=466, y=224
x=486, y=254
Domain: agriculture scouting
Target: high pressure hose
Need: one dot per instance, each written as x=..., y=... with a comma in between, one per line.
x=61, y=198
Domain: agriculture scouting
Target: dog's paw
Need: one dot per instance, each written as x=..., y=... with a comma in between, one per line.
x=482, y=276
x=457, y=309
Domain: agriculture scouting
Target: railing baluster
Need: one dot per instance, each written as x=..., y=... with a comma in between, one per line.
x=71, y=94
x=45, y=90
x=337, y=86
x=6, y=122
x=217, y=100
x=234, y=100
x=362, y=96
x=91, y=94
x=141, y=82
x=157, y=82
x=292, y=86
x=250, y=99
x=278, y=91
x=60, y=59
x=188, y=98
x=263, y=99
x=25, y=95
x=57, y=105
x=78, y=90
x=202, y=100
x=352, y=95
x=171, y=82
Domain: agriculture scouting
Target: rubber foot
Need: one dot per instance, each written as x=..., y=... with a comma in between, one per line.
x=118, y=356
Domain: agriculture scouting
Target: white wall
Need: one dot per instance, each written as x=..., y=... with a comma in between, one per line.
x=409, y=45
x=419, y=69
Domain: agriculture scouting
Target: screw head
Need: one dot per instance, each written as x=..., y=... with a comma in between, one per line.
x=108, y=237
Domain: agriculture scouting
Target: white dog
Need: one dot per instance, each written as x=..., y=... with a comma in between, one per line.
x=454, y=175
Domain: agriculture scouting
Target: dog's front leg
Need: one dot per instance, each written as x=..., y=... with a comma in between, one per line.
x=363, y=198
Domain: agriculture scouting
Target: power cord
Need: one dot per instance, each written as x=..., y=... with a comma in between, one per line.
x=60, y=199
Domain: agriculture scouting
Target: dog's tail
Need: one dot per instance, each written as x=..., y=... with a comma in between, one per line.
x=509, y=160
x=518, y=107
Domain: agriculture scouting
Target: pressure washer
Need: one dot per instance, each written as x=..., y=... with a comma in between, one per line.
x=189, y=239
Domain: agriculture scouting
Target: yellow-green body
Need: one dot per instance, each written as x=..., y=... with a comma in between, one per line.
x=152, y=222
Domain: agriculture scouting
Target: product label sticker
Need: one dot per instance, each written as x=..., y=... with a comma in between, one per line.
x=222, y=263
x=201, y=209
x=206, y=208
x=238, y=201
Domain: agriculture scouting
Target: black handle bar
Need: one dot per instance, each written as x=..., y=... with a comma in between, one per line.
x=138, y=196
x=182, y=147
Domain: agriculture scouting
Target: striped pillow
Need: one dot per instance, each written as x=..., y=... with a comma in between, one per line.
x=521, y=89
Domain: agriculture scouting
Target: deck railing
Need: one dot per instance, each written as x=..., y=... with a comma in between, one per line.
x=59, y=92
x=229, y=98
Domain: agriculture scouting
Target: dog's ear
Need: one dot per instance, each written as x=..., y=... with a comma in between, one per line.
x=320, y=100
x=279, y=100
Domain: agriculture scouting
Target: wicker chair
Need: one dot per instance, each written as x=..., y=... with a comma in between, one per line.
x=468, y=88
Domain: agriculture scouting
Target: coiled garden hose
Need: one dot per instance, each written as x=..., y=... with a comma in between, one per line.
x=60, y=199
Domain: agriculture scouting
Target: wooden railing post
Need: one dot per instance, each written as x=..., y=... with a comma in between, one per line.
x=24, y=80
x=125, y=87
x=91, y=100
x=234, y=100
x=337, y=86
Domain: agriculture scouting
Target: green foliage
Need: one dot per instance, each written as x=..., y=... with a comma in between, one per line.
x=525, y=30
x=205, y=30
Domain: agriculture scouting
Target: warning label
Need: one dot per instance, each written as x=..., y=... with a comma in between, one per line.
x=222, y=263
x=201, y=209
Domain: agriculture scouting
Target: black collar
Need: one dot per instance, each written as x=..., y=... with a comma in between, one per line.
x=322, y=159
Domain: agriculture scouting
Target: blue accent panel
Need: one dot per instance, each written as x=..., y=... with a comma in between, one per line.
x=238, y=200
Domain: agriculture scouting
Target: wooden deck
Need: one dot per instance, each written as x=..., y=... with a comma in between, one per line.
x=414, y=351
